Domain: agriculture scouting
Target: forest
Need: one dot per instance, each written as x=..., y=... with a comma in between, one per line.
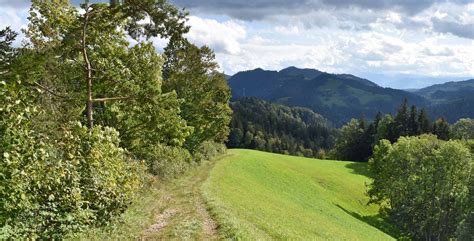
x=257, y=124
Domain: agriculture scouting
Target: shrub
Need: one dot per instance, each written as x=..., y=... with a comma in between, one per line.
x=209, y=150
x=49, y=188
x=167, y=161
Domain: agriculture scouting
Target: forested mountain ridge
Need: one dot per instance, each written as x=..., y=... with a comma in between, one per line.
x=447, y=91
x=338, y=97
x=452, y=100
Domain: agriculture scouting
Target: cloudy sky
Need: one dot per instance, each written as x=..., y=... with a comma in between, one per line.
x=396, y=43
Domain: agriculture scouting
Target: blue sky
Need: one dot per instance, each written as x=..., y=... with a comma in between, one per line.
x=395, y=43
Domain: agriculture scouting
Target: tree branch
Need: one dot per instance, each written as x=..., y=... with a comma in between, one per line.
x=50, y=91
x=110, y=99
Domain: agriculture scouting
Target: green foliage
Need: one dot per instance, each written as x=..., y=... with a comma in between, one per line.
x=263, y=196
x=257, y=124
x=193, y=73
x=356, y=139
x=441, y=129
x=57, y=176
x=7, y=36
x=423, y=183
x=350, y=141
x=51, y=187
x=463, y=129
x=147, y=117
x=167, y=161
x=209, y=150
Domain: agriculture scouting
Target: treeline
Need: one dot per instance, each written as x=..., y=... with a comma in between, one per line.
x=257, y=124
x=85, y=115
x=356, y=139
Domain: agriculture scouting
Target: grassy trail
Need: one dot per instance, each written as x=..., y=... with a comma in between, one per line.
x=172, y=210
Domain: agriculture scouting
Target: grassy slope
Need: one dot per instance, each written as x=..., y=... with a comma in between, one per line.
x=257, y=195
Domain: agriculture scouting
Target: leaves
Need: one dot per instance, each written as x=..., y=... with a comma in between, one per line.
x=423, y=183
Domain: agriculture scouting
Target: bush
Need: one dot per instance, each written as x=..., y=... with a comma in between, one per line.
x=209, y=150
x=50, y=188
x=167, y=161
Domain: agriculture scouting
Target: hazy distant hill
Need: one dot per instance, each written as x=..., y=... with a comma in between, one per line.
x=448, y=91
x=337, y=97
x=453, y=100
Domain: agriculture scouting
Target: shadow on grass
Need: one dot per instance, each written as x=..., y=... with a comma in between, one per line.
x=360, y=168
x=376, y=221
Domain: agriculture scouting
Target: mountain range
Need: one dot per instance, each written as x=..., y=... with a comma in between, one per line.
x=340, y=97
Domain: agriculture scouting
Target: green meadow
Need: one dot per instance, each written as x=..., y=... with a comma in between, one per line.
x=259, y=195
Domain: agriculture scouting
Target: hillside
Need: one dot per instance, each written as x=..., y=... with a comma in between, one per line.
x=261, y=125
x=448, y=91
x=337, y=97
x=258, y=195
x=452, y=100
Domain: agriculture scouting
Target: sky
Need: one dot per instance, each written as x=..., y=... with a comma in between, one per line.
x=396, y=43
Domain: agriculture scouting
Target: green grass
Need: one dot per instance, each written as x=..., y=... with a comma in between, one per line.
x=258, y=195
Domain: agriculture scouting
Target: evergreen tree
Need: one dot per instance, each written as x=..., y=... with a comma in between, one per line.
x=424, y=122
x=401, y=120
x=377, y=119
x=413, y=124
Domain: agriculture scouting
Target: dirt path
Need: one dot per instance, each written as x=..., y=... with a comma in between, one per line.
x=182, y=213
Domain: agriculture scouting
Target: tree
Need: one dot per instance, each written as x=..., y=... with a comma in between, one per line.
x=385, y=129
x=350, y=142
x=413, y=124
x=193, y=74
x=7, y=36
x=422, y=183
x=401, y=120
x=463, y=129
x=441, y=129
x=95, y=38
x=424, y=122
x=121, y=84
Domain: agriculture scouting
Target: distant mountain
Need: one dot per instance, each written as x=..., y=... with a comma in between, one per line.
x=338, y=97
x=452, y=100
x=448, y=91
x=306, y=73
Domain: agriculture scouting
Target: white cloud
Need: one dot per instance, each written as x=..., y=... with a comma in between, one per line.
x=223, y=37
x=287, y=30
x=381, y=51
